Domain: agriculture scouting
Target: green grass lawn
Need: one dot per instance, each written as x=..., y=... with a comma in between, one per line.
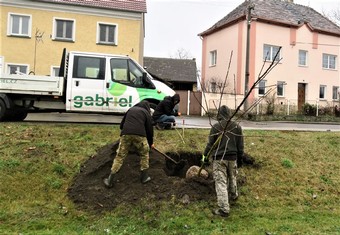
x=295, y=190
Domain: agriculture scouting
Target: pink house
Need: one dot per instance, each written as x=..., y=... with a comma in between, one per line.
x=308, y=71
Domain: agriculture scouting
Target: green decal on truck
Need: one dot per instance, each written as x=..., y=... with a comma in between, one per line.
x=80, y=101
x=117, y=89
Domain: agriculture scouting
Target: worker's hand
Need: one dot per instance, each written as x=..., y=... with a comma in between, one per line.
x=179, y=113
x=153, y=146
x=205, y=160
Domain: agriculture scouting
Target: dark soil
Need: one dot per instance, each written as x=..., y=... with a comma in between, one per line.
x=89, y=193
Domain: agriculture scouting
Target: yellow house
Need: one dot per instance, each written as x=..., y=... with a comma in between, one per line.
x=35, y=32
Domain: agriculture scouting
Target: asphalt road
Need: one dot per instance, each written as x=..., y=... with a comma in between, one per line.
x=182, y=122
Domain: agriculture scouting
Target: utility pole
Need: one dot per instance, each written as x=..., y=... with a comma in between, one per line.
x=246, y=81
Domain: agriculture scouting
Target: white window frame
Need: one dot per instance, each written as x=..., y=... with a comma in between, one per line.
x=269, y=52
x=280, y=83
x=262, y=86
x=2, y=60
x=212, y=58
x=54, y=33
x=322, y=92
x=20, y=33
x=53, y=69
x=115, y=36
x=9, y=65
x=303, y=58
x=336, y=92
x=327, y=62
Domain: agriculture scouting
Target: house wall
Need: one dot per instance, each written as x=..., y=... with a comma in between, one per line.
x=288, y=70
x=47, y=52
x=225, y=42
x=291, y=40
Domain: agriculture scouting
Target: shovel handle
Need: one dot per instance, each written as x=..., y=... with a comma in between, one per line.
x=165, y=155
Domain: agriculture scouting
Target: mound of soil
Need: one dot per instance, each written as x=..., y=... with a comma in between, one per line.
x=168, y=181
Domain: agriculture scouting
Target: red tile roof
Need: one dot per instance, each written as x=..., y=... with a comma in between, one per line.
x=125, y=5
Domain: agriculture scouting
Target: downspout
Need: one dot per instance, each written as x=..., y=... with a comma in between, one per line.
x=246, y=81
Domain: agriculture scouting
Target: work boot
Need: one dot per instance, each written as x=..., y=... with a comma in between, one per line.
x=144, y=177
x=109, y=181
x=220, y=212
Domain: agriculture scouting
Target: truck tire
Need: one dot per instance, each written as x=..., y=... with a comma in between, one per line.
x=18, y=115
x=2, y=110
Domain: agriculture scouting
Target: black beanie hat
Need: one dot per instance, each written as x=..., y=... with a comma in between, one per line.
x=176, y=98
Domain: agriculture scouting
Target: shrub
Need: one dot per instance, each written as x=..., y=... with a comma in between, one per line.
x=309, y=109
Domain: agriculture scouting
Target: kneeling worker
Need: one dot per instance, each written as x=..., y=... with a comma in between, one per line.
x=165, y=112
x=136, y=134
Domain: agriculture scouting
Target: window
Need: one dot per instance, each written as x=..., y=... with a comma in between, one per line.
x=213, y=58
x=127, y=72
x=1, y=63
x=19, y=25
x=328, y=61
x=55, y=71
x=17, y=69
x=64, y=29
x=303, y=58
x=107, y=34
x=213, y=87
x=335, y=93
x=322, y=93
x=269, y=52
x=280, y=88
x=262, y=87
x=89, y=67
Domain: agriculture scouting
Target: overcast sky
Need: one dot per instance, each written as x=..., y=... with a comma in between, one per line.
x=172, y=25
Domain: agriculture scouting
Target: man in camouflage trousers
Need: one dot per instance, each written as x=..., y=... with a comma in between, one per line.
x=225, y=146
x=136, y=135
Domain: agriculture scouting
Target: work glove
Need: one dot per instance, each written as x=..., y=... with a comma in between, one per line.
x=205, y=160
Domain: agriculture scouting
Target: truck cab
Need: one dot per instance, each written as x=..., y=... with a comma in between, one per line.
x=109, y=83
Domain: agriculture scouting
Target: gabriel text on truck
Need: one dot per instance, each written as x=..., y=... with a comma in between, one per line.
x=88, y=82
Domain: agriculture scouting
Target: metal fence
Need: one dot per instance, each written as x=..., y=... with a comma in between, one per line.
x=277, y=106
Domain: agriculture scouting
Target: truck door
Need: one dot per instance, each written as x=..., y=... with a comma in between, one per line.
x=87, y=84
x=127, y=85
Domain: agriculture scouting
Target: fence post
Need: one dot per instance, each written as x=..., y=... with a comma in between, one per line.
x=202, y=104
x=317, y=108
x=257, y=108
x=188, y=105
x=288, y=107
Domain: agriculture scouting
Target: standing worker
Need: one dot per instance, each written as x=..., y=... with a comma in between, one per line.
x=165, y=112
x=136, y=134
x=225, y=145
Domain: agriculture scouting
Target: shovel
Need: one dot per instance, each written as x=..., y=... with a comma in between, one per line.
x=178, y=165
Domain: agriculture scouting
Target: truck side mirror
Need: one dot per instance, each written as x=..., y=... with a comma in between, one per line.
x=144, y=78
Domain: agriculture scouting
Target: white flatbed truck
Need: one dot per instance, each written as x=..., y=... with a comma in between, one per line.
x=87, y=83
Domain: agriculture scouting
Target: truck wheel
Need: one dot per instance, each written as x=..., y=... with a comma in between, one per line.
x=16, y=115
x=19, y=115
x=2, y=110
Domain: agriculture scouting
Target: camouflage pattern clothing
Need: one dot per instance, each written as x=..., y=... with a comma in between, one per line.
x=135, y=143
x=225, y=145
x=224, y=174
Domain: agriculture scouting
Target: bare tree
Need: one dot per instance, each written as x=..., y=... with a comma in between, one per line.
x=263, y=73
x=333, y=15
x=182, y=53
